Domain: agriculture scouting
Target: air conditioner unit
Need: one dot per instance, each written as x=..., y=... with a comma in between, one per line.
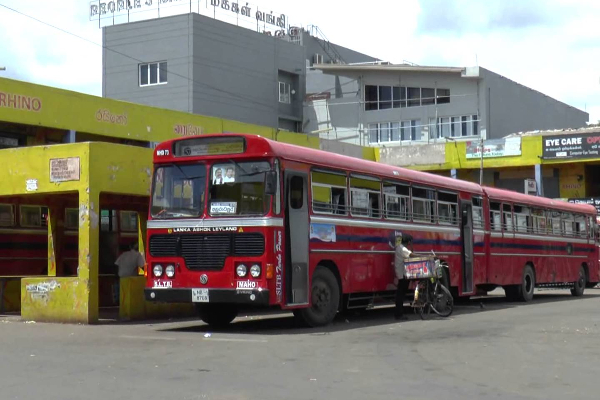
x=318, y=58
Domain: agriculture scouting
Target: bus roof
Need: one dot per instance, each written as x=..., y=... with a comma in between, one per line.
x=516, y=197
x=261, y=146
x=337, y=161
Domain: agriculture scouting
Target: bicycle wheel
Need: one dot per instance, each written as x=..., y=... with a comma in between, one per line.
x=442, y=302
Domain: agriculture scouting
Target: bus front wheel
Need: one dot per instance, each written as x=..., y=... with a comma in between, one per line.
x=325, y=299
x=217, y=315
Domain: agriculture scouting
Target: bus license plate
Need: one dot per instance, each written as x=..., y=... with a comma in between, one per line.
x=199, y=295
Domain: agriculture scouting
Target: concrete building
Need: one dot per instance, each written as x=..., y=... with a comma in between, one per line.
x=201, y=65
x=389, y=104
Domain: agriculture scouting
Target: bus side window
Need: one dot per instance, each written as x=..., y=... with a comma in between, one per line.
x=539, y=221
x=7, y=215
x=478, y=213
x=365, y=196
x=396, y=200
x=448, y=208
x=495, y=216
x=328, y=192
x=522, y=219
x=507, y=218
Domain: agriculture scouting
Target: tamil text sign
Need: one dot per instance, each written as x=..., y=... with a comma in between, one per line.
x=495, y=148
x=583, y=145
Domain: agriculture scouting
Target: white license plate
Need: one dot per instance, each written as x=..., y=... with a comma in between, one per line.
x=200, y=295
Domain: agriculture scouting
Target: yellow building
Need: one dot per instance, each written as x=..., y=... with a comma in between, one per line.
x=74, y=193
x=561, y=164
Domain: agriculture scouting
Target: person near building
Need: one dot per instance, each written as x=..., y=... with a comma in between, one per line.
x=130, y=261
x=401, y=252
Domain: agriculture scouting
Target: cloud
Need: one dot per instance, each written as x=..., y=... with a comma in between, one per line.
x=462, y=16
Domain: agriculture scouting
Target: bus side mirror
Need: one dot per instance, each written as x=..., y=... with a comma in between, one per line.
x=271, y=183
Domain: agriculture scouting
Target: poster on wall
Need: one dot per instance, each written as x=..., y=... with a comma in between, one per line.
x=583, y=145
x=494, y=148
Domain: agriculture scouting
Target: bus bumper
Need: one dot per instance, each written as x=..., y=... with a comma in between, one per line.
x=214, y=296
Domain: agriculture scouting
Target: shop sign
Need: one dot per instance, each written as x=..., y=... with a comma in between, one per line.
x=582, y=145
x=246, y=11
x=593, y=201
x=64, y=169
x=494, y=148
x=100, y=8
x=20, y=102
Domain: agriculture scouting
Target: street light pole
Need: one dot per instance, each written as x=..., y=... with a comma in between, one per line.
x=481, y=166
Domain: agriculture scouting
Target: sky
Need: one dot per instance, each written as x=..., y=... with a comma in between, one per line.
x=552, y=46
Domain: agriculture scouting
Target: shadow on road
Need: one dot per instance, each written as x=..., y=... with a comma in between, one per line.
x=277, y=323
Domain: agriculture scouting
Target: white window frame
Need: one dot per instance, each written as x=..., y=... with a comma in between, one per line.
x=478, y=222
x=285, y=96
x=332, y=212
x=158, y=82
x=402, y=199
x=429, y=206
x=454, y=121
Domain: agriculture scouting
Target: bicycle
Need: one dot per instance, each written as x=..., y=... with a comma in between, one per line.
x=430, y=293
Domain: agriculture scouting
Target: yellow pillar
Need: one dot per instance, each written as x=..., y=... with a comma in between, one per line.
x=55, y=235
x=89, y=239
x=142, y=219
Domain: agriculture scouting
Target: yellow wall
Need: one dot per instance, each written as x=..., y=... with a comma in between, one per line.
x=572, y=180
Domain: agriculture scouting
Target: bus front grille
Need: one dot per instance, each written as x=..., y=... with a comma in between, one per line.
x=207, y=251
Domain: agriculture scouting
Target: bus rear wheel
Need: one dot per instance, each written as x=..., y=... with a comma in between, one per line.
x=217, y=315
x=579, y=285
x=325, y=299
x=525, y=289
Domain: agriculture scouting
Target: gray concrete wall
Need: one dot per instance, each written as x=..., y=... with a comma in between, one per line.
x=348, y=116
x=406, y=156
x=314, y=45
x=148, y=41
x=227, y=71
x=517, y=108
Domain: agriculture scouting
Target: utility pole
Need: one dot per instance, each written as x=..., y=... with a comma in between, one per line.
x=481, y=165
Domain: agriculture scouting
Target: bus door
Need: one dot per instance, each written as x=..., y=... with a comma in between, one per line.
x=467, y=246
x=296, y=228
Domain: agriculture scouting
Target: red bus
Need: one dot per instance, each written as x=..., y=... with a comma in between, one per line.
x=240, y=220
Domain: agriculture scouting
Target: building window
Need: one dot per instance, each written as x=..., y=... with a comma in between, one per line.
x=386, y=97
x=427, y=96
x=284, y=93
x=153, y=73
x=464, y=125
x=411, y=130
x=443, y=96
x=385, y=132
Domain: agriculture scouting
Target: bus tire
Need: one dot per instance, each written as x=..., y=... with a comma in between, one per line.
x=217, y=315
x=579, y=285
x=525, y=289
x=325, y=299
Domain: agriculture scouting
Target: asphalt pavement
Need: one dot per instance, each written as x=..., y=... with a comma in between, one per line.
x=488, y=349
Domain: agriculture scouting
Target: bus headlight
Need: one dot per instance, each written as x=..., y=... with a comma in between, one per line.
x=255, y=271
x=157, y=270
x=170, y=271
x=241, y=270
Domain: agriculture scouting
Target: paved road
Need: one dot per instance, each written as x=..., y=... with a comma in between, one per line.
x=549, y=349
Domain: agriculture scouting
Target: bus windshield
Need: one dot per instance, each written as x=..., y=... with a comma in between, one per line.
x=178, y=191
x=238, y=188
